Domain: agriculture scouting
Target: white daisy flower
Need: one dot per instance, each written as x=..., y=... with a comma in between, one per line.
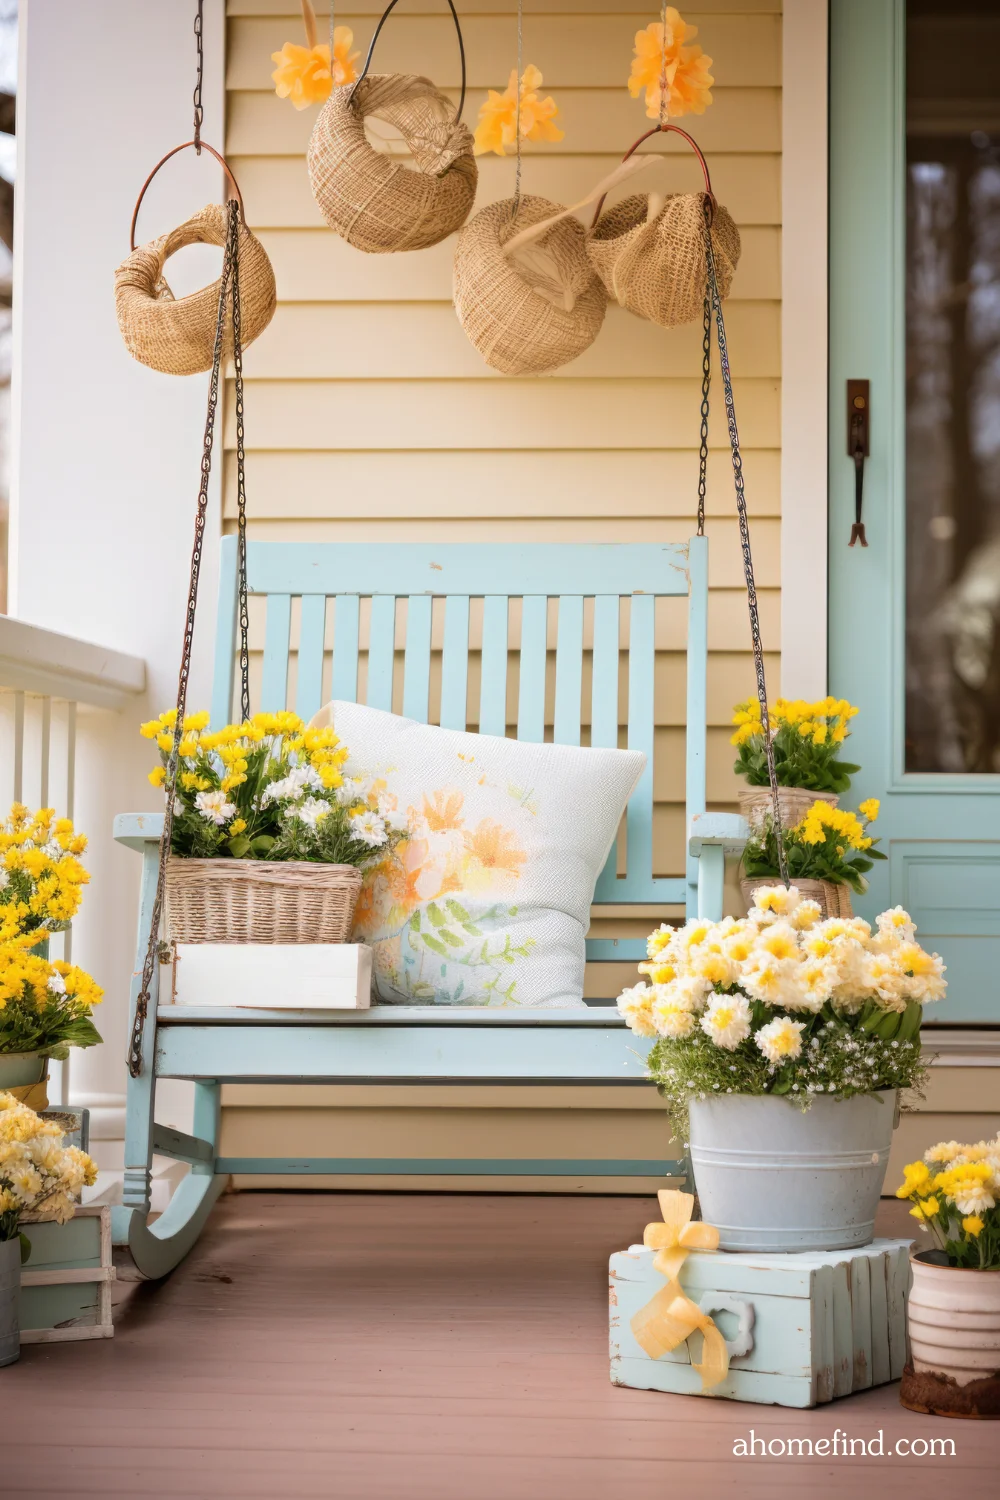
x=672, y=1017
x=56, y=984
x=635, y=1005
x=4, y=880
x=298, y=780
x=369, y=828
x=214, y=807
x=780, y=1039
x=727, y=1021
x=974, y=1198
x=311, y=812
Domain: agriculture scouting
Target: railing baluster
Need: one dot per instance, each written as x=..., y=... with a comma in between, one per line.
x=18, y=746
x=46, y=749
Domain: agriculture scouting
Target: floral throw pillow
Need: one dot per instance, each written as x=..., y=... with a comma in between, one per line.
x=485, y=900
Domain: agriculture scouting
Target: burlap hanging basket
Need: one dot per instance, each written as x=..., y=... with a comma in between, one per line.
x=255, y=901
x=656, y=267
x=177, y=335
x=833, y=900
x=537, y=309
x=375, y=201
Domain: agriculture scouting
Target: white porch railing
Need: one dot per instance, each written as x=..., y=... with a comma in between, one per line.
x=57, y=692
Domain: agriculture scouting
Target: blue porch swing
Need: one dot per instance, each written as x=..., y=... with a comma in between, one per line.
x=405, y=1045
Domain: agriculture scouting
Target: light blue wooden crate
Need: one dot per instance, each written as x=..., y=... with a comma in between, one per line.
x=66, y=1280
x=824, y=1324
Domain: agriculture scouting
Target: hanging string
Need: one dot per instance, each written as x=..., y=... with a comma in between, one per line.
x=199, y=31
x=333, y=27
x=748, y=573
x=228, y=285
x=663, y=64
x=517, y=116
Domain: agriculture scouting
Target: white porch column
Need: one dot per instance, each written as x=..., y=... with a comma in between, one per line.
x=107, y=453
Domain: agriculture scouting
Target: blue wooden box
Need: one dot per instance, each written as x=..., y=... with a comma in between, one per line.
x=823, y=1324
x=66, y=1280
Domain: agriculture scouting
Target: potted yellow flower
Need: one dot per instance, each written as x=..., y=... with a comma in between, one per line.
x=37, y=1174
x=807, y=740
x=269, y=838
x=953, y=1313
x=827, y=854
x=45, y=1006
x=753, y=1017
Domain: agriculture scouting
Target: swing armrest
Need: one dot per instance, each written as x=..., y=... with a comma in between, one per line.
x=138, y=830
x=710, y=830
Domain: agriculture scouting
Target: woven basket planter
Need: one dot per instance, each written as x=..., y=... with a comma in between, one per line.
x=255, y=901
x=177, y=335
x=378, y=203
x=833, y=900
x=537, y=309
x=793, y=802
x=657, y=268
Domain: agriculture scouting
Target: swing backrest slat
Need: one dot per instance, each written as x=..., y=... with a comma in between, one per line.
x=578, y=603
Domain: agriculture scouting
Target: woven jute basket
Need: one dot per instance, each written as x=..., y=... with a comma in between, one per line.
x=833, y=900
x=255, y=901
x=379, y=203
x=537, y=309
x=177, y=335
x=656, y=267
x=793, y=802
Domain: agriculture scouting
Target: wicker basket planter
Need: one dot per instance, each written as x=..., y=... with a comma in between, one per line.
x=255, y=901
x=793, y=801
x=834, y=900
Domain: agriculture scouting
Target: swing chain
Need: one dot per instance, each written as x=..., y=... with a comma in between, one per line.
x=741, y=508
x=241, y=491
x=230, y=268
x=706, y=381
x=199, y=113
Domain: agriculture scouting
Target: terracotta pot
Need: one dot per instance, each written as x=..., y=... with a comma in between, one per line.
x=953, y=1321
x=834, y=900
x=793, y=801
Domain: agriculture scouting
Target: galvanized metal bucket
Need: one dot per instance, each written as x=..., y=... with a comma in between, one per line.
x=772, y=1177
x=10, y=1296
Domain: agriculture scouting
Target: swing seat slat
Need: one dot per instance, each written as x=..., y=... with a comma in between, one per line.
x=503, y=636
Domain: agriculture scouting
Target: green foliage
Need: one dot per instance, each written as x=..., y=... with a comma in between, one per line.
x=50, y=1027
x=833, y=858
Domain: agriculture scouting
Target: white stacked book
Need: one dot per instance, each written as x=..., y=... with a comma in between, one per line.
x=271, y=976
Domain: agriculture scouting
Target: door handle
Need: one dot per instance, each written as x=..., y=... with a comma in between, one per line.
x=858, y=410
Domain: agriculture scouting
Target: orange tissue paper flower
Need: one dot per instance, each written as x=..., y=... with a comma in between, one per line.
x=304, y=75
x=498, y=115
x=661, y=54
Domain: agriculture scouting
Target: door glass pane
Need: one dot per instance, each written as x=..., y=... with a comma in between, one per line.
x=953, y=386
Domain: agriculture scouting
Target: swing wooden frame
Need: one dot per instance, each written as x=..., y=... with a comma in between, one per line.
x=406, y=1045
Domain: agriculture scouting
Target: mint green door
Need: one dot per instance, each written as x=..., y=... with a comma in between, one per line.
x=915, y=309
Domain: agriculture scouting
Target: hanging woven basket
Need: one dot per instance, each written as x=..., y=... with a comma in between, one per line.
x=654, y=264
x=176, y=335
x=534, y=310
x=833, y=900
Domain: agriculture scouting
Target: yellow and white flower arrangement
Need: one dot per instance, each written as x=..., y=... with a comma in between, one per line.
x=45, y=1005
x=270, y=788
x=955, y=1191
x=806, y=738
x=38, y=1174
x=828, y=843
x=783, y=1002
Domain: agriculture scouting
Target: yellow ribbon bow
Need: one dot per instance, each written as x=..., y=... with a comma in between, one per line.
x=670, y=1318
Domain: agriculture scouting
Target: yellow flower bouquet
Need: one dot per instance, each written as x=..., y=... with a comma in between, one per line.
x=955, y=1191
x=38, y=1174
x=270, y=788
x=782, y=1002
x=829, y=843
x=806, y=738
x=41, y=877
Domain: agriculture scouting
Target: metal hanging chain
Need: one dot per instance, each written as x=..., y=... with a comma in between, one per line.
x=134, y=1058
x=741, y=508
x=199, y=34
x=241, y=488
x=663, y=64
x=706, y=383
x=517, y=111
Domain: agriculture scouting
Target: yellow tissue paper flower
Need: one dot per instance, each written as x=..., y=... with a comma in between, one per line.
x=304, y=75
x=498, y=115
x=661, y=56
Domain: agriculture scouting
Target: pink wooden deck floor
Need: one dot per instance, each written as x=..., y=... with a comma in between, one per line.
x=396, y=1347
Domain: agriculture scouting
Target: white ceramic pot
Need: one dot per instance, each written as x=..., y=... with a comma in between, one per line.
x=10, y=1294
x=771, y=1176
x=953, y=1317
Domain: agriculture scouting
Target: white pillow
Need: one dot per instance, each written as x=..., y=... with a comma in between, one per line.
x=486, y=901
